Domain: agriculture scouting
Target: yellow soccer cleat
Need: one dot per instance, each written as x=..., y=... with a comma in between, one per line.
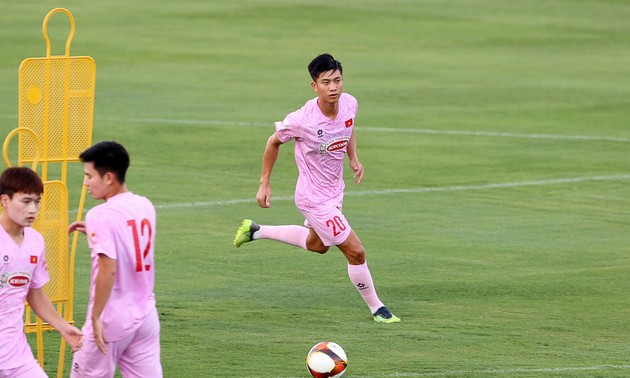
x=245, y=232
x=382, y=315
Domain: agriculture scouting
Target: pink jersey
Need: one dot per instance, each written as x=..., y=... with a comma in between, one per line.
x=320, y=148
x=21, y=268
x=123, y=228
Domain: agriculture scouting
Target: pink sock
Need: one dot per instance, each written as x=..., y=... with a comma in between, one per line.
x=294, y=235
x=362, y=280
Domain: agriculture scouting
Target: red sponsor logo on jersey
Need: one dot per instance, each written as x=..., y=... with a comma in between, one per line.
x=337, y=145
x=349, y=122
x=33, y=259
x=19, y=280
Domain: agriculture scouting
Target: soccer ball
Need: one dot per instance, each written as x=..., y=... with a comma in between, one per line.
x=326, y=360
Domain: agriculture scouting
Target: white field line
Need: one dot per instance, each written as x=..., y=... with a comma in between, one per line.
x=385, y=130
x=512, y=371
x=410, y=190
x=201, y=122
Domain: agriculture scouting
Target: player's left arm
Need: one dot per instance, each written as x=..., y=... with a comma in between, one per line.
x=43, y=307
x=355, y=164
x=102, y=290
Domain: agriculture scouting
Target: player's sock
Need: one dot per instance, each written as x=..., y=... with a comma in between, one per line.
x=294, y=235
x=362, y=279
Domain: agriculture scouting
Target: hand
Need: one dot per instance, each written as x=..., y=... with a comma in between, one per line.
x=99, y=338
x=357, y=167
x=73, y=336
x=77, y=226
x=264, y=196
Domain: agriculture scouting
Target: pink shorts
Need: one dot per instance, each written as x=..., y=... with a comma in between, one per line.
x=137, y=355
x=330, y=224
x=29, y=370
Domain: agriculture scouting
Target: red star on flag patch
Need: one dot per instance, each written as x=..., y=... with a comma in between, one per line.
x=349, y=123
x=33, y=259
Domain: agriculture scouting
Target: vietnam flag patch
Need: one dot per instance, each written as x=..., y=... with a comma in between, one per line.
x=33, y=259
x=349, y=123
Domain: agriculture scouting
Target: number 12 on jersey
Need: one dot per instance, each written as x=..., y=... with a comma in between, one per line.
x=141, y=255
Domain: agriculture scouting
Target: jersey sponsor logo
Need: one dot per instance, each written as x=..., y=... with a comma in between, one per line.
x=349, y=123
x=333, y=145
x=337, y=145
x=19, y=280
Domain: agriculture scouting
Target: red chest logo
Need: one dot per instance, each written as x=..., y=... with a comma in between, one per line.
x=19, y=280
x=337, y=145
x=349, y=122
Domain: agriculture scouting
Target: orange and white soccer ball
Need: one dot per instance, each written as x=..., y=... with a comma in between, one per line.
x=326, y=360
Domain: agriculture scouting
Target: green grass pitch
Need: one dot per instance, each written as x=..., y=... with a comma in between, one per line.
x=495, y=207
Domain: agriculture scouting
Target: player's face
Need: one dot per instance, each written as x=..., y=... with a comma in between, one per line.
x=22, y=208
x=329, y=86
x=96, y=184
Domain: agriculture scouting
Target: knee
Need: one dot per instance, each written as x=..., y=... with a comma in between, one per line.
x=355, y=255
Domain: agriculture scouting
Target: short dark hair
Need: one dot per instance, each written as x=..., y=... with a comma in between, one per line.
x=20, y=180
x=323, y=63
x=108, y=156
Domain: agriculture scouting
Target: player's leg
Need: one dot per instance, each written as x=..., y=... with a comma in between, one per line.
x=290, y=234
x=353, y=249
x=141, y=358
x=333, y=228
x=302, y=237
x=90, y=362
x=359, y=272
x=361, y=277
x=29, y=370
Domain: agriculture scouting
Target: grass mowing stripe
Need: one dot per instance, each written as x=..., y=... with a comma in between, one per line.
x=512, y=371
x=413, y=190
x=502, y=135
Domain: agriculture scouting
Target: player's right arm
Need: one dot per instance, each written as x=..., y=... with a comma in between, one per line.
x=104, y=283
x=269, y=160
x=40, y=303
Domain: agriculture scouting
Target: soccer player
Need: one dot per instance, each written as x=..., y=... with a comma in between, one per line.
x=323, y=130
x=23, y=274
x=122, y=326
